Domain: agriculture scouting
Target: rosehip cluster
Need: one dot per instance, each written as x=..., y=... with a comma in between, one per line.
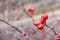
x=31, y=10
x=39, y=23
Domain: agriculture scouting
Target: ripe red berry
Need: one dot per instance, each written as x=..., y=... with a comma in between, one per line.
x=58, y=38
x=36, y=23
x=17, y=18
x=24, y=34
x=40, y=26
x=31, y=10
x=42, y=21
x=31, y=13
x=45, y=16
x=32, y=31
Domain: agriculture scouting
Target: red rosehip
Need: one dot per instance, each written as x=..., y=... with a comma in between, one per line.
x=24, y=34
x=40, y=26
x=36, y=23
x=42, y=21
x=31, y=9
x=31, y=13
x=58, y=38
x=17, y=18
x=31, y=31
x=45, y=16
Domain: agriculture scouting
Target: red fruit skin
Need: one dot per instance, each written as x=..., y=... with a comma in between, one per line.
x=42, y=21
x=45, y=16
x=31, y=31
x=31, y=13
x=24, y=34
x=31, y=10
x=40, y=26
x=36, y=23
x=58, y=38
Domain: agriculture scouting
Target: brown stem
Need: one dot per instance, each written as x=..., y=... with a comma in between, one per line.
x=11, y=25
x=22, y=5
x=51, y=28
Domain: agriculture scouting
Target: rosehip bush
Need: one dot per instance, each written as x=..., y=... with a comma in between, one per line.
x=39, y=25
x=44, y=16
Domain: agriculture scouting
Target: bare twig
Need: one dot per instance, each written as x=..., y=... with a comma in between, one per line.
x=11, y=25
x=51, y=28
x=22, y=5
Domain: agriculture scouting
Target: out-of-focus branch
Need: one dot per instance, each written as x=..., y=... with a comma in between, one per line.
x=51, y=28
x=22, y=5
x=11, y=25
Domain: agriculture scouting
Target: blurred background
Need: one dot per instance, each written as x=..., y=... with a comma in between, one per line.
x=12, y=10
x=14, y=7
